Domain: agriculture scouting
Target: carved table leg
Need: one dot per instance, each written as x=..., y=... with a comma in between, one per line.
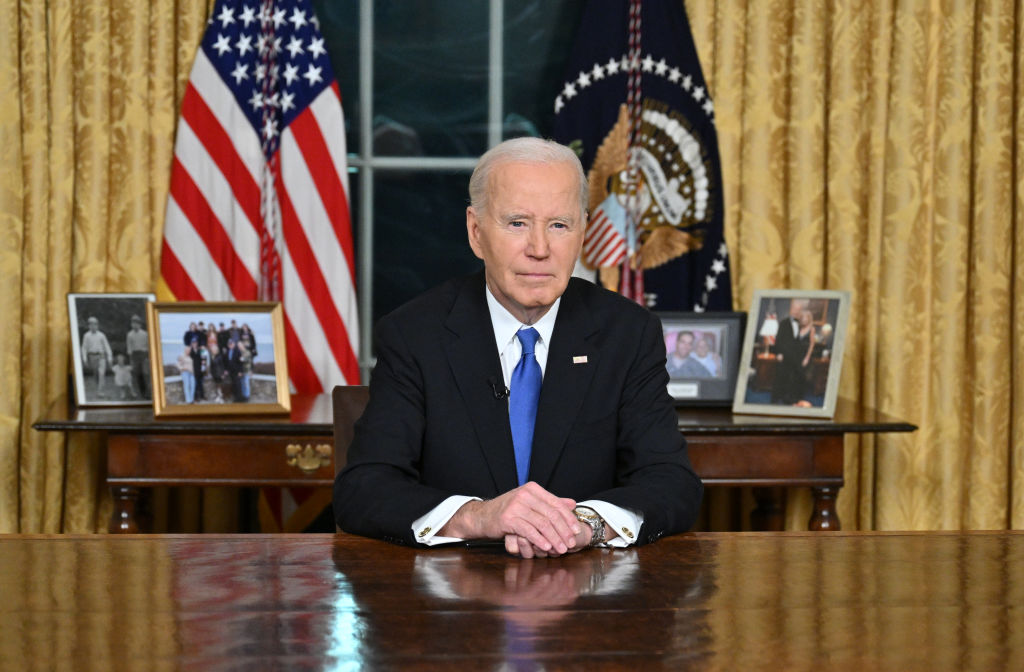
x=122, y=520
x=824, y=516
x=769, y=515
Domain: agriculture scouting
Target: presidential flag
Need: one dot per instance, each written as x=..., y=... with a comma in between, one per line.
x=258, y=206
x=635, y=106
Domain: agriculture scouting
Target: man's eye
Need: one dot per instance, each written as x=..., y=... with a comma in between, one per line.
x=559, y=225
x=517, y=224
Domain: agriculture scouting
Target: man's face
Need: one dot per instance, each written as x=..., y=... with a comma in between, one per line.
x=684, y=344
x=702, y=348
x=530, y=235
x=796, y=306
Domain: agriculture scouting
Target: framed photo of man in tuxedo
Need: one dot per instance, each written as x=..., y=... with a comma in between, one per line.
x=793, y=353
x=218, y=358
x=702, y=354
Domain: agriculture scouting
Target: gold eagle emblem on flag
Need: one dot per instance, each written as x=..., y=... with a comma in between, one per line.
x=665, y=189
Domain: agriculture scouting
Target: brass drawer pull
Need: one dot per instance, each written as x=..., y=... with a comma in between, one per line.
x=309, y=458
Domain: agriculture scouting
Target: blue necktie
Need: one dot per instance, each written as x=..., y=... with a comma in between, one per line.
x=522, y=401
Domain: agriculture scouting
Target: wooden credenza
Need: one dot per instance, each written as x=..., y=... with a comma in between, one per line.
x=765, y=452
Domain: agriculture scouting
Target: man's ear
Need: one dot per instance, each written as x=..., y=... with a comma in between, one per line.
x=473, y=232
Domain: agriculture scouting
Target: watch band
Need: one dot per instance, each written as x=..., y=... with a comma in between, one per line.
x=587, y=515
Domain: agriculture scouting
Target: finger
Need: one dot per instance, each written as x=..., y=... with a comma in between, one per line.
x=559, y=509
x=511, y=545
x=545, y=533
x=566, y=524
x=532, y=525
x=565, y=529
x=534, y=552
x=528, y=513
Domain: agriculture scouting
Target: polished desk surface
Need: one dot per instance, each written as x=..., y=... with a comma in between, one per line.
x=735, y=601
x=313, y=413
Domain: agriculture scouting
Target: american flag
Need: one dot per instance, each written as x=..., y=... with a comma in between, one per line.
x=603, y=243
x=258, y=206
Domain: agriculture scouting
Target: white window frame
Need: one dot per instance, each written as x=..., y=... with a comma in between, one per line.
x=367, y=165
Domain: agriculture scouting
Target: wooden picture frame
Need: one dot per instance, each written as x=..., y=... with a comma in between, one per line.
x=702, y=354
x=793, y=369
x=242, y=363
x=110, y=366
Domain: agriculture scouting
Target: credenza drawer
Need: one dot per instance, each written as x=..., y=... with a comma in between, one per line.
x=240, y=460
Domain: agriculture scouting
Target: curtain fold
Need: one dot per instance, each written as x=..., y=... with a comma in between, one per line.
x=872, y=146
x=868, y=145
x=86, y=140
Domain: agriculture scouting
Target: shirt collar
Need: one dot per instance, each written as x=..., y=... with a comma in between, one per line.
x=505, y=325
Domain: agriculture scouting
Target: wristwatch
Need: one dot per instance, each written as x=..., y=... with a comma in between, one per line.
x=587, y=515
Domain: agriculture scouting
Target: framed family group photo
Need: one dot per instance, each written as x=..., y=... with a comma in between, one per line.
x=793, y=353
x=213, y=358
x=110, y=349
x=702, y=356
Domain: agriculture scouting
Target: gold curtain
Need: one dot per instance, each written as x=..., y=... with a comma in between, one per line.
x=876, y=146
x=870, y=145
x=86, y=134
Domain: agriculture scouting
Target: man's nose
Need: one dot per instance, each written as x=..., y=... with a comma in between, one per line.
x=537, y=243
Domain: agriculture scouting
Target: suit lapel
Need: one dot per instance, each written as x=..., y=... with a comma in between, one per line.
x=473, y=360
x=571, y=364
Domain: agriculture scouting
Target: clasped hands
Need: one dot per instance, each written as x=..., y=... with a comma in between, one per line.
x=533, y=522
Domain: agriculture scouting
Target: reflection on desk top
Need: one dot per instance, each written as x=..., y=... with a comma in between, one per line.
x=899, y=601
x=313, y=414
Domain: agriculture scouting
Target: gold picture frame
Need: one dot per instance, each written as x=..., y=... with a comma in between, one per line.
x=242, y=365
x=792, y=366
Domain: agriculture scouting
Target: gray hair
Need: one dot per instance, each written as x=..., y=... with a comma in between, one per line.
x=522, y=150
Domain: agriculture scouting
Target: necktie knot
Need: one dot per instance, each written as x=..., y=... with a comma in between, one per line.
x=528, y=339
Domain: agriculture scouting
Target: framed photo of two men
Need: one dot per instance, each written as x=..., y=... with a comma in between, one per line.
x=793, y=353
x=110, y=348
x=702, y=356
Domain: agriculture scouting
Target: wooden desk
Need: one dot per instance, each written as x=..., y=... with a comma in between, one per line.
x=733, y=601
x=726, y=449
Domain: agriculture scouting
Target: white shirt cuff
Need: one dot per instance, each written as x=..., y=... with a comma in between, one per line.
x=425, y=527
x=626, y=523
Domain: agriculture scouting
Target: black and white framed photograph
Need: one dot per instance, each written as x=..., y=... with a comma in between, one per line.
x=110, y=349
x=219, y=358
x=702, y=356
x=793, y=353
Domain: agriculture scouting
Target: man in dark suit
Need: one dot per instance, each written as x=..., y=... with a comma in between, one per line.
x=442, y=454
x=788, y=383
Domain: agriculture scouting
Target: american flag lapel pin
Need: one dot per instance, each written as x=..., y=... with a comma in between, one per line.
x=579, y=359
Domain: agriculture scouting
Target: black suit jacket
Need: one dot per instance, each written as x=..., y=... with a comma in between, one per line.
x=788, y=384
x=606, y=427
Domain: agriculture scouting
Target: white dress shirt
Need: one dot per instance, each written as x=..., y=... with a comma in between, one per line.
x=626, y=523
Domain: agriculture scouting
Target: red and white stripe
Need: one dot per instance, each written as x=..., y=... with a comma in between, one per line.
x=211, y=246
x=603, y=245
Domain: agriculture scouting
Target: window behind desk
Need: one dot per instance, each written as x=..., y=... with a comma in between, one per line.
x=428, y=86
